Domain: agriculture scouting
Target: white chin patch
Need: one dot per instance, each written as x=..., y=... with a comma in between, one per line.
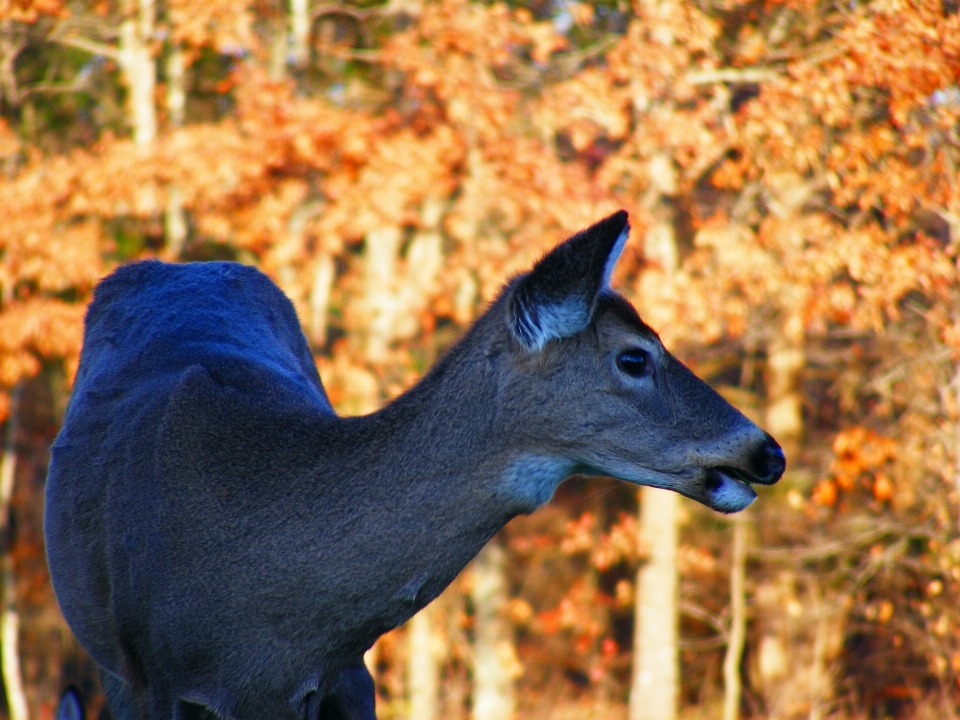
x=728, y=494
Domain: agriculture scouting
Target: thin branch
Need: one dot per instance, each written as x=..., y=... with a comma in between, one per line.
x=569, y=63
x=76, y=85
x=817, y=552
x=370, y=56
x=359, y=15
x=705, y=616
x=733, y=75
x=91, y=46
x=702, y=644
x=874, y=531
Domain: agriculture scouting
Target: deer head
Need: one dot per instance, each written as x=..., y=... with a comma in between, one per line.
x=596, y=392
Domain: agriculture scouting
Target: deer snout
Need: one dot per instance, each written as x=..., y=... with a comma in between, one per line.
x=728, y=487
x=761, y=464
x=768, y=463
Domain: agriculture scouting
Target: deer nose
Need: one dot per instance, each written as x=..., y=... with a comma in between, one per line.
x=769, y=462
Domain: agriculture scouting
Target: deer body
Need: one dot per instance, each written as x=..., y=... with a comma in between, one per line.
x=224, y=545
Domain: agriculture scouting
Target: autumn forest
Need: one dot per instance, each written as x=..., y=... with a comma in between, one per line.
x=792, y=173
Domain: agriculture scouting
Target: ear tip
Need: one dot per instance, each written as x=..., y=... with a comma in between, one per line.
x=616, y=223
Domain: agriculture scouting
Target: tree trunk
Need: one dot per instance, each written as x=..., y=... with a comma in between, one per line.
x=956, y=436
x=422, y=670
x=738, y=621
x=13, y=39
x=135, y=57
x=300, y=31
x=786, y=355
x=380, y=295
x=9, y=616
x=655, y=686
x=175, y=219
x=493, y=658
x=277, y=55
x=785, y=363
x=818, y=661
x=139, y=71
x=323, y=276
x=654, y=691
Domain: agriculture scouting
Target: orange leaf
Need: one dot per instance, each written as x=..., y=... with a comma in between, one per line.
x=825, y=493
x=882, y=488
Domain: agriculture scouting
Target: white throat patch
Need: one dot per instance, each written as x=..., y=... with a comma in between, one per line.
x=531, y=480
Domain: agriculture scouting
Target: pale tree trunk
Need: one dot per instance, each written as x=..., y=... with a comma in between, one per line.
x=956, y=435
x=455, y=653
x=135, y=57
x=13, y=39
x=494, y=664
x=654, y=689
x=786, y=355
x=380, y=294
x=278, y=42
x=422, y=671
x=323, y=275
x=9, y=616
x=818, y=684
x=175, y=219
x=287, y=254
x=738, y=621
x=736, y=637
x=300, y=32
x=139, y=71
x=785, y=362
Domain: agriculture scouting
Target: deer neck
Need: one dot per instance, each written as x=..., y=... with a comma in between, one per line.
x=452, y=435
x=441, y=477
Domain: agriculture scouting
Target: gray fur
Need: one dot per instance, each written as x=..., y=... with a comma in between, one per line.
x=223, y=545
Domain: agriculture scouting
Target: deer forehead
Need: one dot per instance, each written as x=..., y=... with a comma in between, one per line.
x=615, y=312
x=615, y=335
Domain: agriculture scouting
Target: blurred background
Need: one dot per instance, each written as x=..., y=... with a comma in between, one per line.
x=791, y=171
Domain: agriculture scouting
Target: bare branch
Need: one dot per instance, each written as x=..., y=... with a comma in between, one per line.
x=703, y=644
x=11, y=43
x=81, y=82
x=705, y=616
x=733, y=75
x=370, y=56
x=336, y=9
x=91, y=46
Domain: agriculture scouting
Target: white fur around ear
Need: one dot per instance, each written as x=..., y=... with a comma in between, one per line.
x=615, y=253
x=537, y=323
x=556, y=299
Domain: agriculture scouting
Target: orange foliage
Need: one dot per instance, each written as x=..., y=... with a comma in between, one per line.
x=811, y=171
x=862, y=456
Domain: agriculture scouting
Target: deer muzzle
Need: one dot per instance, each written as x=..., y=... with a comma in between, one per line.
x=728, y=486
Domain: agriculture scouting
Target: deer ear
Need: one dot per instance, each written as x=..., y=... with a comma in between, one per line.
x=557, y=298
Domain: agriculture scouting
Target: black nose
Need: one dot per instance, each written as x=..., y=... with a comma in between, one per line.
x=769, y=463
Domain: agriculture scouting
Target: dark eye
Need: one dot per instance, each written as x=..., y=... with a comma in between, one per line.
x=633, y=362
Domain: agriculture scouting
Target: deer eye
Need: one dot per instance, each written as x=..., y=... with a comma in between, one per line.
x=633, y=362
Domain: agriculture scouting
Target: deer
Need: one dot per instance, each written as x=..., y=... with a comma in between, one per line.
x=224, y=545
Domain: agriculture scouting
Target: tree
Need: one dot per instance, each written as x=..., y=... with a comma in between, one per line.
x=10, y=617
x=802, y=256
x=494, y=662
